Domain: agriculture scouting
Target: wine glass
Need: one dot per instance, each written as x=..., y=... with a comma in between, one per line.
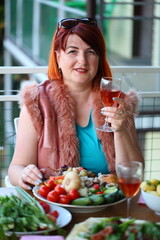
x=129, y=179
x=109, y=87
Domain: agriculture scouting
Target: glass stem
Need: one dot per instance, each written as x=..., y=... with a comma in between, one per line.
x=128, y=207
x=105, y=124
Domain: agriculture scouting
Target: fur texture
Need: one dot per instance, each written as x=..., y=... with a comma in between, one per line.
x=52, y=111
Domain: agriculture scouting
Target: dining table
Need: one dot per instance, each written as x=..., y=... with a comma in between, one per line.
x=138, y=211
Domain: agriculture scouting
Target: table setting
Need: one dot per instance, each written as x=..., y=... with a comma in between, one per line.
x=72, y=217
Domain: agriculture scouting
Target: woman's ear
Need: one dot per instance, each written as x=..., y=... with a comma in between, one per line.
x=58, y=63
x=57, y=56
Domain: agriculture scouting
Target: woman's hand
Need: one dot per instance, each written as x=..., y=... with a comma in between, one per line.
x=31, y=175
x=116, y=115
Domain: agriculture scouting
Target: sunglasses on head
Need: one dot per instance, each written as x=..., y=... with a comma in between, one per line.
x=68, y=23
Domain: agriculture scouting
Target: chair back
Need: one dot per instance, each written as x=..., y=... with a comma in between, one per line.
x=7, y=181
x=16, y=120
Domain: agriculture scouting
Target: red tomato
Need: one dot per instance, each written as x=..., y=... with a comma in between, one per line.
x=45, y=206
x=100, y=192
x=64, y=199
x=58, y=177
x=73, y=194
x=96, y=186
x=53, y=196
x=50, y=183
x=55, y=213
x=52, y=218
x=44, y=190
x=60, y=189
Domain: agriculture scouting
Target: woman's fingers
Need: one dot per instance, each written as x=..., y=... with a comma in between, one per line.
x=114, y=112
x=31, y=175
x=119, y=101
x=24, y=185
x=116, y=115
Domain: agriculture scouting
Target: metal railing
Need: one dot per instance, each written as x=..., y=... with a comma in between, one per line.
x=147, y=122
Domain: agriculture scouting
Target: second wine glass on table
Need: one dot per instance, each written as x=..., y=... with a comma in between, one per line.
x=130, y=176
x=109, y=87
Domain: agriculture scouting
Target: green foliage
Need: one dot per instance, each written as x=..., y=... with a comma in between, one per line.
x=116, y=229
x=18, y=215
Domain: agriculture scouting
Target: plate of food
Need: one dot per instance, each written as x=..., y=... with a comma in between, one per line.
x=80, y=193
x=83, y=200
x=115, y=228
x=23, y=215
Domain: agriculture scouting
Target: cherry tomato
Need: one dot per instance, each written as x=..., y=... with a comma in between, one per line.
x=55, y=213
x=64, y=199
x=73, y=194
x=53, y=196
x=45, y=206
x=58, y=188
x=44, y=190
x=51, y=217
x=96, y=186
x=50, y=183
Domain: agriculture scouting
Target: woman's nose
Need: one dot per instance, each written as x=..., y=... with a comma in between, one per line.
x=82, y=58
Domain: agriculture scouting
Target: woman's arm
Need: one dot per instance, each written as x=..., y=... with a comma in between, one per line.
x=126, y=145
x=23, y=169
x=125, y=138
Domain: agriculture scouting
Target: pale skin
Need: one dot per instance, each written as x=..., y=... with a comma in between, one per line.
x=79, y=65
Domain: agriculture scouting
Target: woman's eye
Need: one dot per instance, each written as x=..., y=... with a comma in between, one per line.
x=72, y=51
x=92, y=52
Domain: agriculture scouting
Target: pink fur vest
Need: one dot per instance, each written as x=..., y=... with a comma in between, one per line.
x=52, y=110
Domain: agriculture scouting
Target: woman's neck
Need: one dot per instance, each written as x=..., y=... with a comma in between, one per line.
x=82, y=96
x=81, y=93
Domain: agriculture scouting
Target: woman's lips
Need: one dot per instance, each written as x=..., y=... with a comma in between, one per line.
x=81, y=70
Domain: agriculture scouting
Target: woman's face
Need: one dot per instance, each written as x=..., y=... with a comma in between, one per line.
x=79, y=62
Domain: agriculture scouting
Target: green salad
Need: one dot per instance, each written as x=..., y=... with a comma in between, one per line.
x=22, y=215
x=116, y=229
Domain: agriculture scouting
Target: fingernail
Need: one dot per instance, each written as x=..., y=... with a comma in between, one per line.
x=115, y=98
x=29, y=188
x=103, y=112
x=36, y=183
x=103, y=109
x=39, y=180
x=40, y=175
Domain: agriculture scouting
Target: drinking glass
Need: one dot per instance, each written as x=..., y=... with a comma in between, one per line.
x=109, y=87
x=129, y=175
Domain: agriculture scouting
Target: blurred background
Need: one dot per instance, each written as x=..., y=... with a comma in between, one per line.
x=131, y=29
x=132, y=33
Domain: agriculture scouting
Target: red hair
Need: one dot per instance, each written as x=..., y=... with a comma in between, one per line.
x=89, y=34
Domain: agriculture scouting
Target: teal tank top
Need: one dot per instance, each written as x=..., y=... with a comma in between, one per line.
x=92, y=156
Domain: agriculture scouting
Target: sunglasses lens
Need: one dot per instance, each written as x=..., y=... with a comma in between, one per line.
x=68, y=23
x=89, y=21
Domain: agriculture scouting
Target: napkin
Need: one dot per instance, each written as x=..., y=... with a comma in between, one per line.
x=38, y=237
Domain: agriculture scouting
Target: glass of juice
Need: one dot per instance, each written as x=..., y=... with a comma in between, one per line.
x=109, y=87
x=130, y=176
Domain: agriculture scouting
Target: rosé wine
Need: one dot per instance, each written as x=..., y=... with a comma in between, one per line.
x=130, y=187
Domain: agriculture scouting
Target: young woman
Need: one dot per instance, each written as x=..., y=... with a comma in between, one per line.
x=58, y=119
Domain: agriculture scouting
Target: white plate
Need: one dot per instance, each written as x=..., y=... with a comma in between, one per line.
x=63, y=219
x=74, y=208
x=84, y=226
x=7, y=191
